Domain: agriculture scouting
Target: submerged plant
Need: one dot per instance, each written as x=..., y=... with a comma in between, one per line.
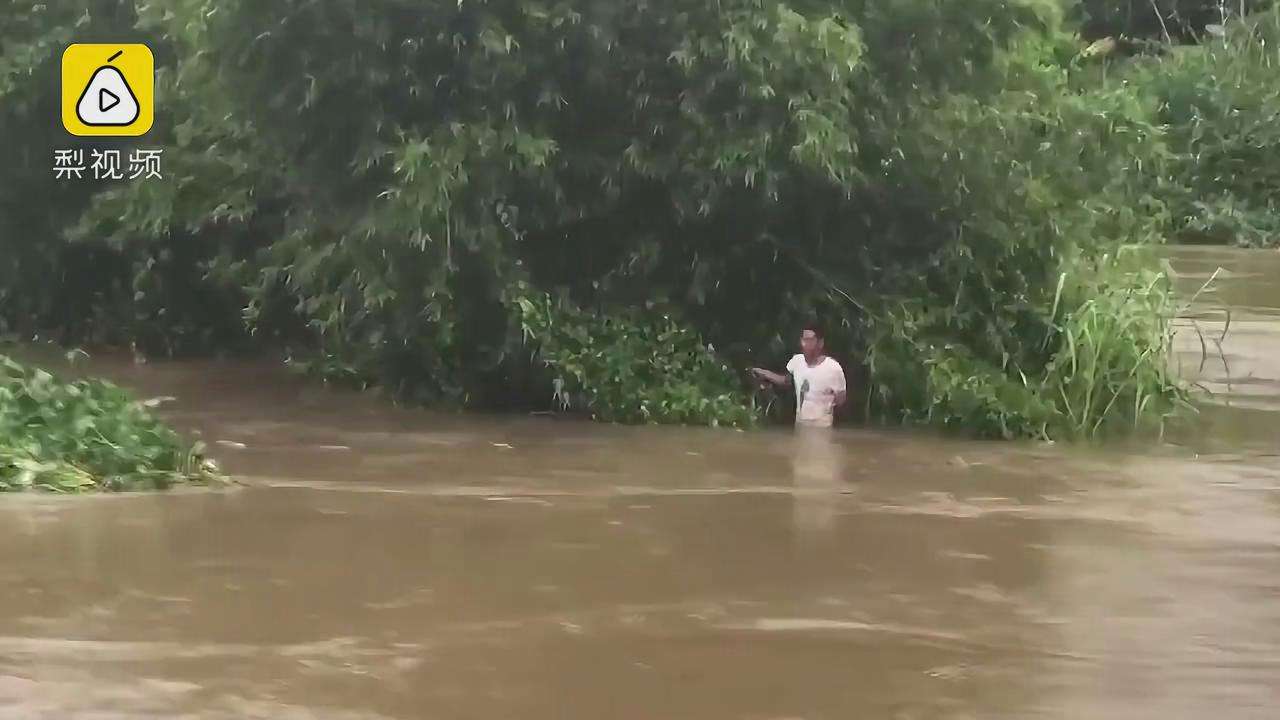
x=633, y=368
x=85, y=435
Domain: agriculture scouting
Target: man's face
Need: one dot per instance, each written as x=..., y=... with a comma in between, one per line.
x=810, y=343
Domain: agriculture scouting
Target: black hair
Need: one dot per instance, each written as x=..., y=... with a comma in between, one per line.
x=816, y=329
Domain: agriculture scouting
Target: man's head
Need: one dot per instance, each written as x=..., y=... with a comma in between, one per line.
x=812, y=342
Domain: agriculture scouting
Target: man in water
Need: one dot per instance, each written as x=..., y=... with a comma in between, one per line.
x=818, y=380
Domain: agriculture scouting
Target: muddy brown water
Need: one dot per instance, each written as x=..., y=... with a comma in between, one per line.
x=385, y=563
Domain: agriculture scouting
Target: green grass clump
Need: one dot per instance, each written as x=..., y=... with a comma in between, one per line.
x=85, y=435
x=1114, y=342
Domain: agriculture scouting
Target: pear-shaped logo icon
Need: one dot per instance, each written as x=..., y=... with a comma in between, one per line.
x=108, y=90
x=107, y=99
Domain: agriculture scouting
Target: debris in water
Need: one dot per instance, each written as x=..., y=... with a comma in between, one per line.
x=948, y=672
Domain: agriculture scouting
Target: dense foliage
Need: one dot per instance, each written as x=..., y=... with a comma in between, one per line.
x=395, y=190
x=1220, y=100
x=85, y=435
x=628, y=368
x=1177, y=21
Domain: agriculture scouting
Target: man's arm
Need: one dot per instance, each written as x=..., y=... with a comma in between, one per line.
x=770, y=376
x=842, y=390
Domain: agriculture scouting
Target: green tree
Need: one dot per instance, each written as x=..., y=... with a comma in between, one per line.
x=390, y=184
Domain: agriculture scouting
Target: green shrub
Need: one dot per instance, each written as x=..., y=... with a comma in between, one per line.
x=919, y=376
x=633, y=367
x=1106, y=340
x=85, y=435
x=1220, y=102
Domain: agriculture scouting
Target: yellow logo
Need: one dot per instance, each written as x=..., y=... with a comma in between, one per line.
x=108, y=90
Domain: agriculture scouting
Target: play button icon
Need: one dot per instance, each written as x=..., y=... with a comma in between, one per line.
x=107, y=99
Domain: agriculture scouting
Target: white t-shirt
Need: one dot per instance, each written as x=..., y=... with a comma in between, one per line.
x=816, y=389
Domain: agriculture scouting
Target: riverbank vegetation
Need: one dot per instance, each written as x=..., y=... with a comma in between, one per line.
x=85, y=435
x=1220, y=100
x=615, y=206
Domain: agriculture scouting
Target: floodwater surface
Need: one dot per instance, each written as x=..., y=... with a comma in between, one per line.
x=384, y=563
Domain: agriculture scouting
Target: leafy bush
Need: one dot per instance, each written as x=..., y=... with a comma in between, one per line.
x=633, y=368
x=1106, y=339
x=920, y=377
x=85, y=435
x=1220, y=101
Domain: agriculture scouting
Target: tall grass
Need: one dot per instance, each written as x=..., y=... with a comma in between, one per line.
x=1114, y=335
